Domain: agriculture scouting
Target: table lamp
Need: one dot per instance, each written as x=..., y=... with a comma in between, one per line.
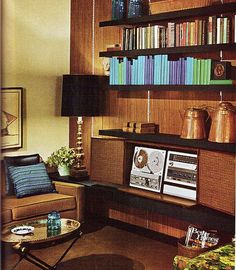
x=82, y=95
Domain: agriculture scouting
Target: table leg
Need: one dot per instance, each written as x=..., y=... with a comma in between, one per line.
x=24, y=253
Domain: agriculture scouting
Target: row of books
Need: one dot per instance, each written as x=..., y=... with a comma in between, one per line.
x=158, y=70
x=213, y=30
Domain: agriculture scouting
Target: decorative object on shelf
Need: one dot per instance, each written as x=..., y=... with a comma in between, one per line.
x=106, y=66
x=63, y=159
x=221, y=70
x=118, y=9
x=138, y=127
x=82, y=95
x=223, y=123
x=136, y=8
x=173, y=5
x=54, y=221
x=194, y=123
x=11, y=117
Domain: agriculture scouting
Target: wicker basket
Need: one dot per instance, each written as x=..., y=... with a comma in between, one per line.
x=173, y=5
x=190, y=252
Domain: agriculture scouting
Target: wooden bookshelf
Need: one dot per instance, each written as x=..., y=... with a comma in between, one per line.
x=197, y=12
x=171, y=140
x=171, y=50
x=214, y=88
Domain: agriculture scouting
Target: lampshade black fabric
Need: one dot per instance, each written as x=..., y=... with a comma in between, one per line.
x=82, y=95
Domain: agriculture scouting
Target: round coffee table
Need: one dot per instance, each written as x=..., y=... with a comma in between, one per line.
x=41, y=238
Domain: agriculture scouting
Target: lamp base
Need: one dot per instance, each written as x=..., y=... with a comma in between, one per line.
x=78, y=172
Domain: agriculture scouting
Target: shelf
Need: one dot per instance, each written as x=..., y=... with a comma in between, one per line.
x=202, y=11
x=215, y=88
x=195, y=214
x=171, y=140
x=172, y=50
x=159, y=197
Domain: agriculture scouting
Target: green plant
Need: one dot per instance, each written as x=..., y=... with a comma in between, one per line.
x=62, y=157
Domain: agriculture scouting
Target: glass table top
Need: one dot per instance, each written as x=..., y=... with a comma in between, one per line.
x=40, y=232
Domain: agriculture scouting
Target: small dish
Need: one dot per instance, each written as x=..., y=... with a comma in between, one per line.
x=22, y=230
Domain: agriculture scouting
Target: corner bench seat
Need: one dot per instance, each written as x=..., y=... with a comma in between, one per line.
x=69, y=201
x=37, y=205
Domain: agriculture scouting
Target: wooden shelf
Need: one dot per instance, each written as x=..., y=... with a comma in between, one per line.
x=172, y=50
x=171, y=140
x=215, y=88
x=202, y=11
x=158, y=197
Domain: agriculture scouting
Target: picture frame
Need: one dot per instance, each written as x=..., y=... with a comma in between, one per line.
x=11, y=117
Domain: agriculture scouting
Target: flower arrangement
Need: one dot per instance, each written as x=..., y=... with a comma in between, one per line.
x=62, y=157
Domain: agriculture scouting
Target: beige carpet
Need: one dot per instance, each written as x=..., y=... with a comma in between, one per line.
x=106, y=248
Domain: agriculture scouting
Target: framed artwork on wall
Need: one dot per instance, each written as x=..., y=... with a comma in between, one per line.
x=11, y=117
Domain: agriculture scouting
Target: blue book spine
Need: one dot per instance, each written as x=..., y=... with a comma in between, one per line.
x=159, y=65
x=111, y=71
x=155, y=69
x=151, y=70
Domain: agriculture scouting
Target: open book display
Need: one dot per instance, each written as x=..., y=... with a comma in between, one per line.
x=200, y=238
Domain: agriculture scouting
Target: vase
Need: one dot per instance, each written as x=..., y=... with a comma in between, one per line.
x=63, y=170
x=118, y=9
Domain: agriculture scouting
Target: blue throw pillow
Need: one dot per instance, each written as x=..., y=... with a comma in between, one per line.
x=30, y=180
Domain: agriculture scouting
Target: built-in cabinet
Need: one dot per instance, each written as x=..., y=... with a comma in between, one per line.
x=160, y=105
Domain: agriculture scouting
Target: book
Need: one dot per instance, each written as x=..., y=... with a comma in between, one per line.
x=222, y=82
x=146, y=130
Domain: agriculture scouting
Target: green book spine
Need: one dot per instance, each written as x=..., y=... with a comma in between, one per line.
x=221, y=82
x=194, y=71
x=202, y=71
x=198, y=70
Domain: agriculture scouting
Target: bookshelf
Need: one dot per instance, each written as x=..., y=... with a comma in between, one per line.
x=203, y=11
x=202, y=88
x=171, y=50
x=136, y=47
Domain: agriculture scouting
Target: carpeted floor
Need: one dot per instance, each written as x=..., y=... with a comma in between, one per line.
x=104, y=248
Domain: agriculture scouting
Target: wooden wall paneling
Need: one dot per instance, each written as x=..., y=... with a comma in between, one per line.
x=167, y=225
x=81, y=36
x=81, y=61
x=129, y=215
x=103, y=38
x=217, y=180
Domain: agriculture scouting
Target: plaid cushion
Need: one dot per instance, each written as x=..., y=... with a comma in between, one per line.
x=30, y=180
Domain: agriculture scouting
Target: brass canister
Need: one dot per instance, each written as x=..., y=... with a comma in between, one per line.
x=223, y=123
x=194, y=124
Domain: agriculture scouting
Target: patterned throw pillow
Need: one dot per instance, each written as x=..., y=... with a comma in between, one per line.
x=23, y=160
x=30, y=180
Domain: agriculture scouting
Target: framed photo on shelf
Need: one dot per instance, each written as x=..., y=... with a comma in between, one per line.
x=11, y=117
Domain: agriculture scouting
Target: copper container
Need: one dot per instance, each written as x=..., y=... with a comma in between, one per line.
x=223, y=125
x=194, y=124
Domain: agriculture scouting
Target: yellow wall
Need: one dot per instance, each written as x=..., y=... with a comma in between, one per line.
x=35, y=54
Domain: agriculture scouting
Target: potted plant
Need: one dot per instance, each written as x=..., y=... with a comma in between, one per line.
x=62, y=159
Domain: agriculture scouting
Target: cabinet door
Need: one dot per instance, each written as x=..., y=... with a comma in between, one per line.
x=217, y=180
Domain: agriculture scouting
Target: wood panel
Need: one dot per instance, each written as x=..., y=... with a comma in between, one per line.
x=217, y=180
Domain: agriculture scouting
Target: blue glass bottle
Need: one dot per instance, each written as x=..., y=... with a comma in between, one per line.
x=118, y=9
x=135, y=8
x=54, y=221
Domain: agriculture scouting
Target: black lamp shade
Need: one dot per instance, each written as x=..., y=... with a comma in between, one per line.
x=83, y=95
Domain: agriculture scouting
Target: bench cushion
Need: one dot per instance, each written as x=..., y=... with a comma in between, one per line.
x=37, y=205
